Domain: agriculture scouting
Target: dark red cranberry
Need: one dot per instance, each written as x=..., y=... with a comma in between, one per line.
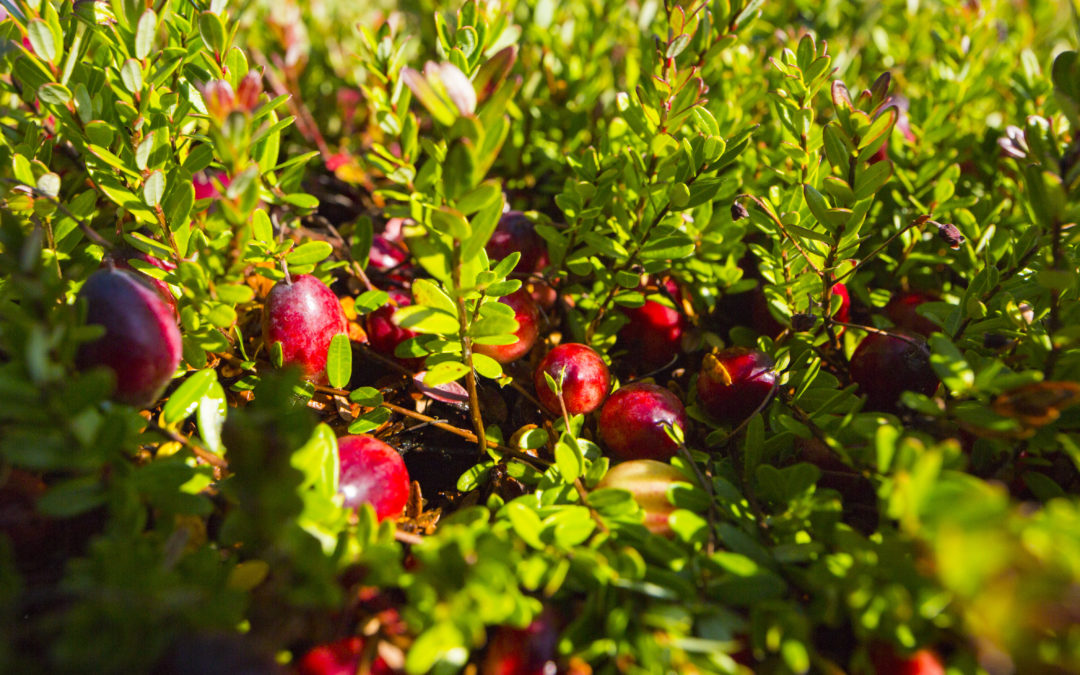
x=735, y=382
x=339, y=658
x=902, y=311
x=120, y=258
x=303, y=316
x=585, y=379
x=528, y=651
x=633, y=418
x=515, y=232
x=528, y=318
x=654, y=334
x=884, y=366
x=647, y=480
x=141, y=344
x=384, y=334
x=887, y=662
x=373, y=473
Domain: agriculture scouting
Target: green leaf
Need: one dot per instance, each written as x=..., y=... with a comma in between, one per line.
x=444, y=372
x=212, y=410
x=186, y=398
x=368, y=397
x=423, y=319
x=526, y=522
x=439, y=649
x=154, y=188
x=675, y=247
x=487, y=366
x=309, y=253
x=212, y=32
x=568, y=458
x=55, y=94
x=339, y=361
x=950, y=365
x=429, y=294
x=132, y=76
x=261, y=227
x=144, y=34
x=870, y=179
x=41, y=40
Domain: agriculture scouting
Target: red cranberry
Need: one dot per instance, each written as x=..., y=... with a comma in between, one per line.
x=384, y=334
x=528, y=651
x=902, y=311
x=585, y=379
x=388, y=249
x=528, y=317
x=141, y=344
x=887, y=662
x=654, y=333
x=843, y=313
x=303, y=316
x=205, y=187
x=647, y=480
x=120, y=257
x=885, y=366
x=515, y=232
x=373, y=473
x=633, y=418
x=339, y=658
x=734, y=382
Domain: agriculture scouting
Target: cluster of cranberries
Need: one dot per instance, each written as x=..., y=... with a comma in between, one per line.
x=635, y=422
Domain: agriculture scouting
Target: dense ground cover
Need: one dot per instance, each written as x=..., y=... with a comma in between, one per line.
x=765, y=312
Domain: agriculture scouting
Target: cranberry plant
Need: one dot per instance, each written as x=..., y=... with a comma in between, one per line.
x=713, y=336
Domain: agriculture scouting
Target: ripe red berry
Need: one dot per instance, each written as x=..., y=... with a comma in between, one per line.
x=734, y=382
x=529, y=651
x=633, y=418
x=303, y=316
x=902, y=310
x=887, y=662
x=383, y=333
x=141, y=345
x=647, y=480
x=884, y=366
x=585, y=379
x=341, y=657
x=843, y=313
x=528, y=317
x=654, y=334
x=119, y=258
x=373, y=473
x=515, y=232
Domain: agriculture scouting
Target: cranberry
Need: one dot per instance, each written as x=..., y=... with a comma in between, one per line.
x=887, y=662
x=384, y=334
x=528, y=651
x=647, y=480
x=141, y=344
x=303, y=316
x=585, y=379
x=120, y=257
x=528, y=317
x=734, y=382
x=205, y=187
x=633, y=418
x=341, y=657
x=902, y=311
x=373, y=473
x=654, y=333
x=843, y=313
x=515, y=232
x=884, y=366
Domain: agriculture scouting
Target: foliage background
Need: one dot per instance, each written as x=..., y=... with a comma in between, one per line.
x=628, y=129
